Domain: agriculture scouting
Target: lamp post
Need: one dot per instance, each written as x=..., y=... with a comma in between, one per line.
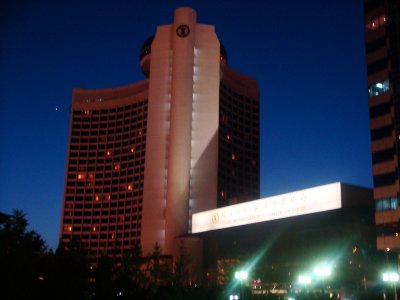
x=241, y=275
x=392, y=277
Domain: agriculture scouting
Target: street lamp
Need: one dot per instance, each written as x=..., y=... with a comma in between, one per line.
x=322, y=272
x=241, y=275
x=392, y=277
x=305, y=279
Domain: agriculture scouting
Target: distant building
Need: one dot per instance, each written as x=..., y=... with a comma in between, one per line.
x=382, y=36
x=142, y=158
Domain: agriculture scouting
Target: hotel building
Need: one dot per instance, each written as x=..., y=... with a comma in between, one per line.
x=382, y=36
x=144, y=157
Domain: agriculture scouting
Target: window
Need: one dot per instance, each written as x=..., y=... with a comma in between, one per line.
x=379, y=110
x=373, y=67
x=383, y=155
x=376, y=44
x=384, y=179
x=387, y=204
x=378, y=88
x=375, y=23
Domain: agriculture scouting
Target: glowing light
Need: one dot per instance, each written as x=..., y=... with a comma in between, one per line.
x=304, y=279
x=390, y=276
x=129, y=187
x=379, y=85
x=241, y=275
x=322, y=271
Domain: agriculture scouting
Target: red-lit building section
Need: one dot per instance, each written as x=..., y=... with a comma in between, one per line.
x=239, y=138
x=382, y=37
x=104, y=179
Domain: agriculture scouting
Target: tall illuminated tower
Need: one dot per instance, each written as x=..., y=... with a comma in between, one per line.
x=144, y=157
x=382, y=35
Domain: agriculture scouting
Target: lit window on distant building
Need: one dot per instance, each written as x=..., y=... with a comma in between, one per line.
x=375, y=23
x=387, y=204
x=378, y=88
x=81, y=176
x=233, y=156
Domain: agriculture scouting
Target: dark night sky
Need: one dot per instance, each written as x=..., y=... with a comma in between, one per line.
x=308, y=57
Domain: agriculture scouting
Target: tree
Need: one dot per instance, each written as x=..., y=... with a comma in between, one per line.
x=158, y=270
x=130, y=278
x=181, y=273
x=104, y=282
x=22, y=256
x=70, y=273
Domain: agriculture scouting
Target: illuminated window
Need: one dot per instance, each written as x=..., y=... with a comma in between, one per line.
x=116, y=166
x=228, y=137
x=129, y=187
x=108, y=153
x=97, y=198
x=233, y=156
x=376, y=23
x=387, y=204
x=94, y=228
x=81, y=176
x=378, y=88
x=108, y=197
x=132, y=149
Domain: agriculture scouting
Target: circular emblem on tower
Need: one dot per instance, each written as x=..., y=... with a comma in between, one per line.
x=183, y=30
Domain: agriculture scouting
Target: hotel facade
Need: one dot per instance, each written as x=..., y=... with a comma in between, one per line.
x=144, y=157
x=382, y=37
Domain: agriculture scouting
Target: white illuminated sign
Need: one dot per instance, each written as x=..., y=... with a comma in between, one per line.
x=317, y=199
